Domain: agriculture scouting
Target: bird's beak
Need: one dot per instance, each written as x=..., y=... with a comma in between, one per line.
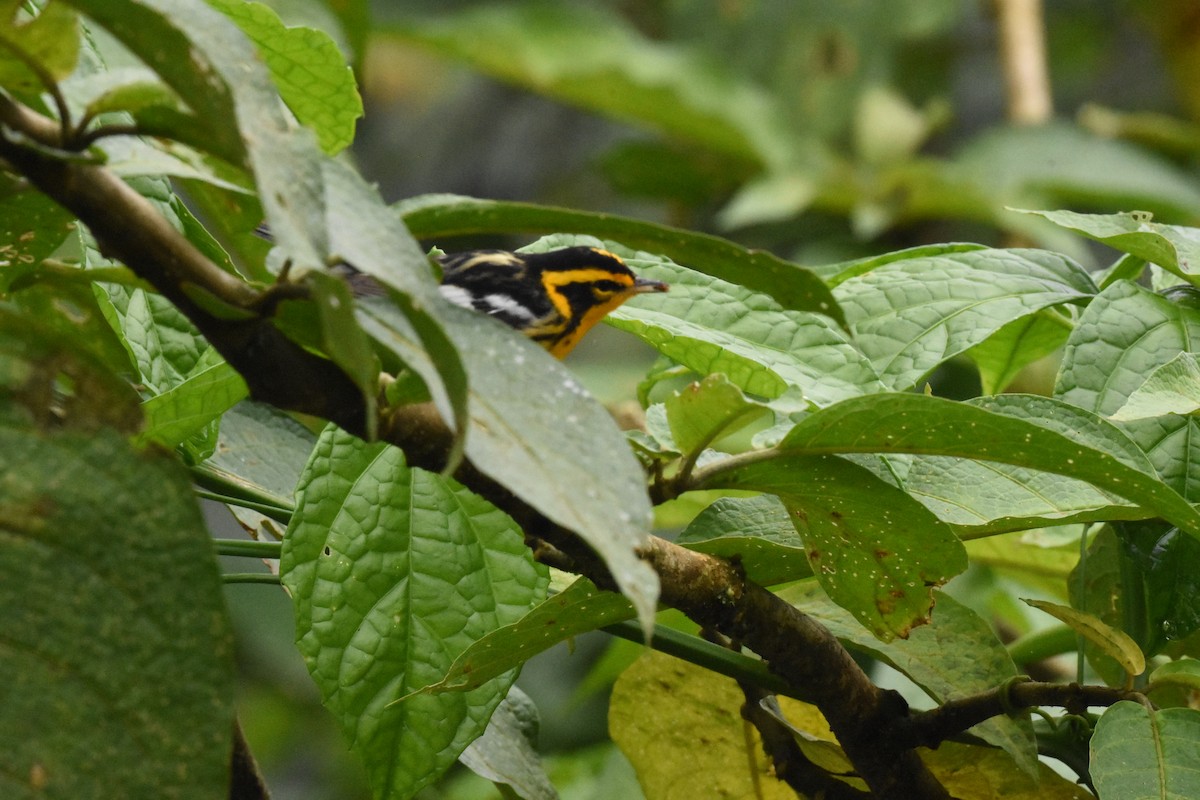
x=646, y=285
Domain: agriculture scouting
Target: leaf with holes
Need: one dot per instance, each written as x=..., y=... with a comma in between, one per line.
x=875, y=550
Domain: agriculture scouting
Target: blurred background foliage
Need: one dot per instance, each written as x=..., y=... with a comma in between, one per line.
x=821, y=131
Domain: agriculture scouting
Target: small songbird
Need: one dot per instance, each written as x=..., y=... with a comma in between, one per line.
x=553, y=298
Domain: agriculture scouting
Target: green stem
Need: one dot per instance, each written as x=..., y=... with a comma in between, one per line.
x=250, y=577
x=218, y=486
x=704, y=477
x=704, y=654
x=248, y=548
x=270, y=510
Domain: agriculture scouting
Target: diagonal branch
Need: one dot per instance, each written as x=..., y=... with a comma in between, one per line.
x=709, y=590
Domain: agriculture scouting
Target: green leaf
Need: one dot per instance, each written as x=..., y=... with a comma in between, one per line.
x=756, y=531
x=909, y=423
x=52, y=363
x=840, y=272
x=161, y=342
x=32, y=226
x=507, y=754
x=394, y=572
x=1184, y=673
x=956, y=655
x=157, y=31
x=909, y=316
x=1112, y=642
x=1061, y=164
x=363, y=232
x=262, y=451
x=128, y=89
x=1172, y=388
x=533, y=428
x=1121, y=338
x=184, y=409
x=313, y=78
x=1139, y=753
x=1169, y=600
x=1172, y=247
x=50, y=40
x=712, y=326
x=118, y=671
x=578, y=609
x=1095, y=586
x=1002, y=356
x=875, y=550
x=707, y=410
x=978, y=497
x=589, y=57
x=791, y=286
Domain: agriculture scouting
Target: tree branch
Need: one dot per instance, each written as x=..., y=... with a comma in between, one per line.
x=709, y=590
x=931, y=728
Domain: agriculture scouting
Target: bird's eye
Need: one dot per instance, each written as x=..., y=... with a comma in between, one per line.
x=607, y=287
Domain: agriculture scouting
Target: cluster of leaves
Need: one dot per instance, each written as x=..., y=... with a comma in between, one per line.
x=791, y=395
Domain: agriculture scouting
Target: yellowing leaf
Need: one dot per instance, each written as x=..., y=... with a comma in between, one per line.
x=1113, y=642
x=680, y=726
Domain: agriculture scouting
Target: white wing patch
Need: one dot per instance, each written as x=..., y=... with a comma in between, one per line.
x=457, y=295
x=503, y=304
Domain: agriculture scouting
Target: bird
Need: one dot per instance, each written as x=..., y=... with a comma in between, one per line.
x=553, y=297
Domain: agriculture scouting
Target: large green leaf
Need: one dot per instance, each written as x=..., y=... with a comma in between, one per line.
x=394, y=572
x=792, y=286
x=713, y=326
x=1140, y=753
x=910, y=423
x=116, y=672
x=875, y=550
x=987, y=497
x=1124, y=335
x=908, y=316
x=532, y=427
x=978, y=498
